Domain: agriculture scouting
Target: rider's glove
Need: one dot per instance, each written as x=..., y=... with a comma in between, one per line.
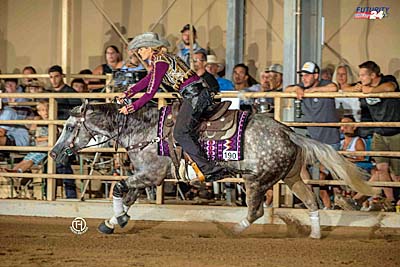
x=130, y=108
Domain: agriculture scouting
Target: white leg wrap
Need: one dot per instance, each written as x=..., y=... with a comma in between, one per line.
x=315, y=226
x=109, y=223
x=126, y=208
x=243, y=225
x=113, y=220
x=118, y=206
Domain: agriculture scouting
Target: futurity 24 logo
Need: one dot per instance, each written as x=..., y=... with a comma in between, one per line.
x=371, y=12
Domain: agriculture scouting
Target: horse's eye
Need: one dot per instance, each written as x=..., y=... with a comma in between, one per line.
x=70, y=128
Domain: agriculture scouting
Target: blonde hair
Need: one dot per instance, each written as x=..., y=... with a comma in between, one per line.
x=350, y=77
x=42, y=103
x=159, y=49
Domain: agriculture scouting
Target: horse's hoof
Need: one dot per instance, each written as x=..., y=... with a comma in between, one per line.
x=240, y=227
x=123, y=220
x=315, y=235
x=106, y=228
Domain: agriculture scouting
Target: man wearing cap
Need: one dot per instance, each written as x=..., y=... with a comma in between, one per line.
x=174, y=73
x=270, y=81
x=318, y=110
x=213, y=66
x=184, y=45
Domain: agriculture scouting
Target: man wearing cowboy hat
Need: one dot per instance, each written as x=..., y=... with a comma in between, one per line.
x=213, y=66
x=175, y=74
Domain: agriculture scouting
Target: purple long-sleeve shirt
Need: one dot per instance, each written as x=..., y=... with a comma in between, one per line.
x=176, y=73
x=152, y=81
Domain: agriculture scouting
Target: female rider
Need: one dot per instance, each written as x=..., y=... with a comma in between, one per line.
x=174, y=73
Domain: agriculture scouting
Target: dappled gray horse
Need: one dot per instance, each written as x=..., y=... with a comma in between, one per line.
x=272, y=152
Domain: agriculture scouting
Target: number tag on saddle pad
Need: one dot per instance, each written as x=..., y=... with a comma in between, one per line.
x=230, y=155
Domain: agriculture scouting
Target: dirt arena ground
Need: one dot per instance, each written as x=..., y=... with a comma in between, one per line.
x=38, y=241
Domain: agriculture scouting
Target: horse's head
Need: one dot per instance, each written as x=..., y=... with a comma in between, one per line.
x=75, y=134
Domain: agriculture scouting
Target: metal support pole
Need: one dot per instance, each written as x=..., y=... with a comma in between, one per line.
x=311, y=39
x=66, y=38
x=234, y=35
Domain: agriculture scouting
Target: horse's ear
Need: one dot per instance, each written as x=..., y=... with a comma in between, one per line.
x=84, y=105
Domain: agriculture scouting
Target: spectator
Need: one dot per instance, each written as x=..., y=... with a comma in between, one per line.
x=64, y=106
x=326, y=74
x=28, y=70
x=11, y=86
x=243, y=81
x=382, y=110
x=113, y=61
x=199, y=66
x=88, y=81
x=133, y=64
x=213, y=66
x=79, y=85
x=351, y=141
x=34, y=86
x=343, y=78
x=184, y=45
x=318, y=110
x=241, y=77
x=271, y=80
x=12, y=135
x=41, y=139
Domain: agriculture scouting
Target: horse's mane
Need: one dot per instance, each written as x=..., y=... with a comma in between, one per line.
x=104, y=108
x=109, y=112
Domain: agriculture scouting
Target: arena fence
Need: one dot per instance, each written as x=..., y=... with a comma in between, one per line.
x=279, y=99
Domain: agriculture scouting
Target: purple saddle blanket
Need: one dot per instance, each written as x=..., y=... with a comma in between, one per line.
x=230, y=149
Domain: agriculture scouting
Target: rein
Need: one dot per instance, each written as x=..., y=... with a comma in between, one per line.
x=143, y=145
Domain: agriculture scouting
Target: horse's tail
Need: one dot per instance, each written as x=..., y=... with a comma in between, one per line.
x=337, y=165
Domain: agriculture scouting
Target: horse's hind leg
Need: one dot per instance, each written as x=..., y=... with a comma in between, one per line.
x=254, y=198
x=304, y=193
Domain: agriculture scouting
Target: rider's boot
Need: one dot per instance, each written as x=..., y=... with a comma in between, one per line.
x=212, y=173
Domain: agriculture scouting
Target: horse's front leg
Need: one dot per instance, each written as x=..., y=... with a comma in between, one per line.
x=255, y=199
x=125, y=194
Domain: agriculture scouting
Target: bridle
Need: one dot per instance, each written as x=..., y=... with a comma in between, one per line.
x=71, y=150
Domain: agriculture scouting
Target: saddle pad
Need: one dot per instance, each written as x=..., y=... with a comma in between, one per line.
x=222, y=150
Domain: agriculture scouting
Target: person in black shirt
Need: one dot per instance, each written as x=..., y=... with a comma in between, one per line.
x=64, y=105
x=382, y=110
x=200, y=61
